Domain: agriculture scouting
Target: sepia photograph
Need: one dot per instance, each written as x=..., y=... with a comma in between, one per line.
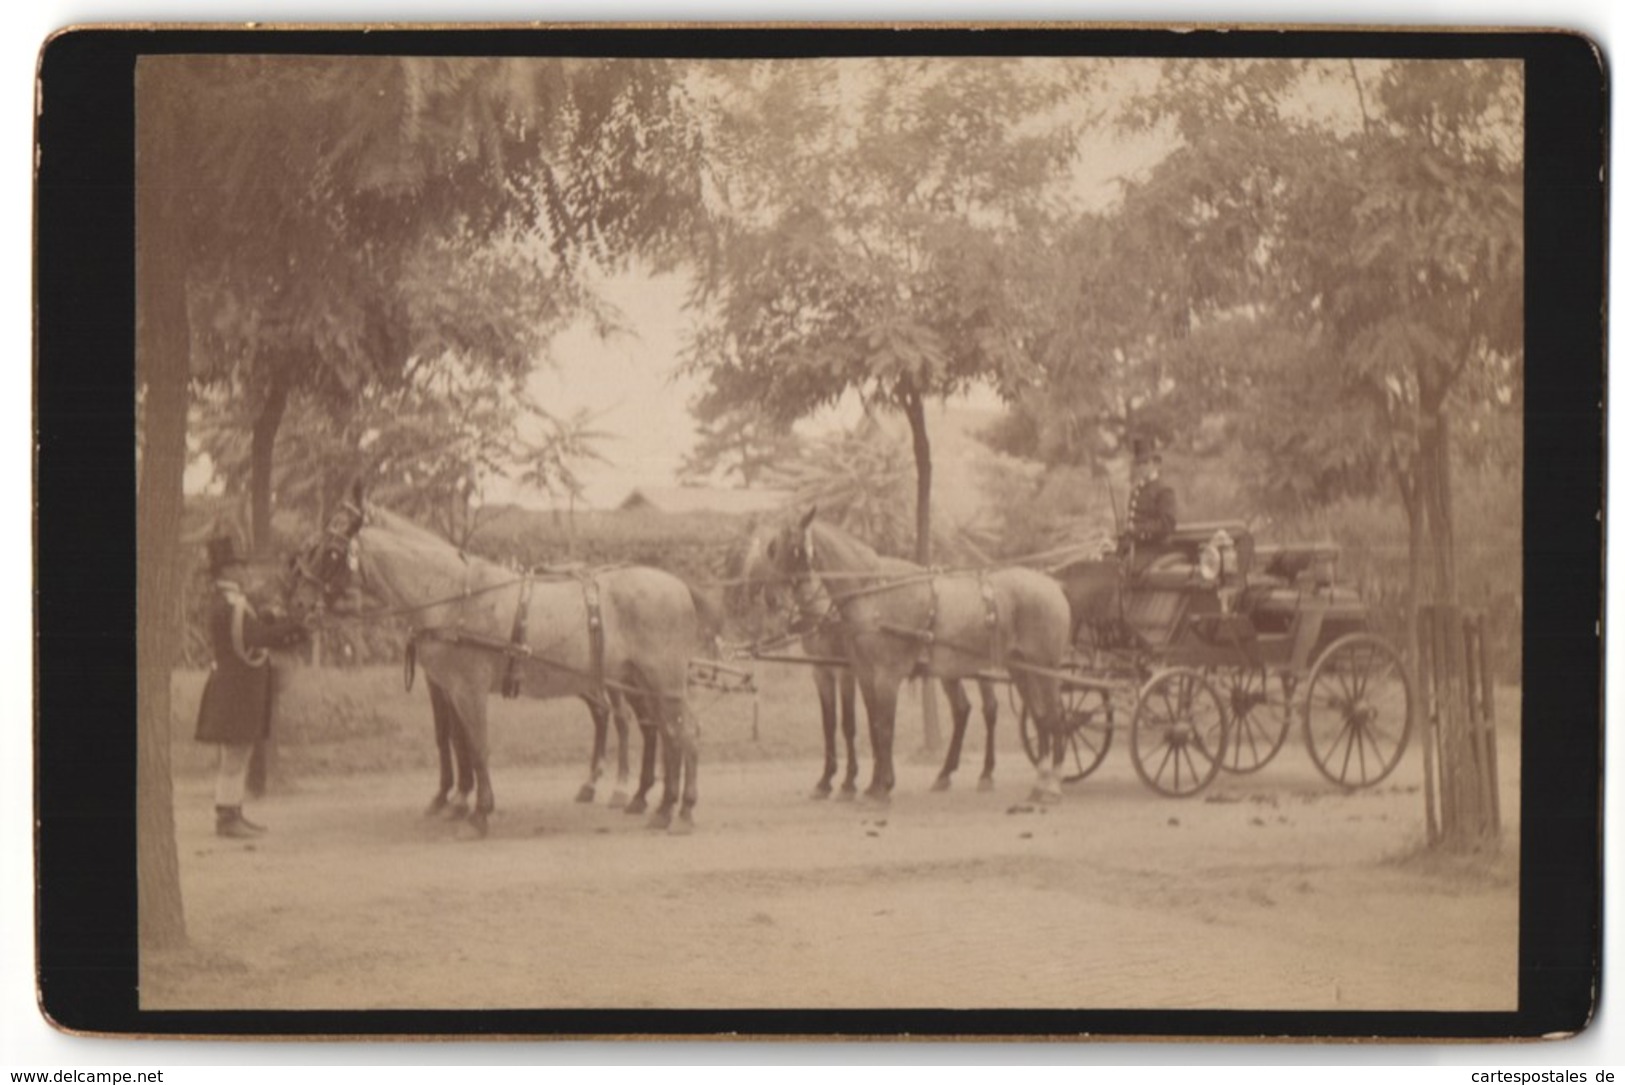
x=830, y=532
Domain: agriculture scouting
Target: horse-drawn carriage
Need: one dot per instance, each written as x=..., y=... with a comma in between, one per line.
x=1212, y=646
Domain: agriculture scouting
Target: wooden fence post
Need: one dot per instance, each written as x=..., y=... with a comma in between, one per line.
x=1430, y=728
x=1460, y=765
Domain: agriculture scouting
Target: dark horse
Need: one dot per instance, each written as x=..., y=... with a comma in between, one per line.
x=822, y=638
x=631, y=629
x=895, y=617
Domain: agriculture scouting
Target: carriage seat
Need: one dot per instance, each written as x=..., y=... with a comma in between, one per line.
x=1172, y=563
x=1300, y=564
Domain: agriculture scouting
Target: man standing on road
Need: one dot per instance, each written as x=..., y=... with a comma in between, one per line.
x=236, y=709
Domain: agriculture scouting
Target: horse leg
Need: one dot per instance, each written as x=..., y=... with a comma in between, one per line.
x=600, y=735
x=849, y=729
x=468, y=700
x=880, y=698
x=442, y=742
x=1040, y=696
x=651, y=743
x=456, y=763
x=688, y=733
x=463, y=751
x=617, y=707
x=824, y=678
x=990, y=716
x=672, y=765
x=959, y=703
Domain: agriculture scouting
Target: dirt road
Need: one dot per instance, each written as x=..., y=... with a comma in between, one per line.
x=1269, y=892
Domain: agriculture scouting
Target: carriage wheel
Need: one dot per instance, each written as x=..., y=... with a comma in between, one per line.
x=1178, y=735
x=1086, y=729
x=1357, y=715
x=1259, y=718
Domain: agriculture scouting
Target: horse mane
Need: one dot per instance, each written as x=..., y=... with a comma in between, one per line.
x=853, y=551
x=399, y=524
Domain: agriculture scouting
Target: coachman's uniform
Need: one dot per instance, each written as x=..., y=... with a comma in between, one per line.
x=236, y=709
x=1150, y=513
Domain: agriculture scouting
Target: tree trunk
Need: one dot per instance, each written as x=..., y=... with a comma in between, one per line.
x=914, y=408
x=1465, y=775
x=262, y=448
x=162, y=370
x=262, y=767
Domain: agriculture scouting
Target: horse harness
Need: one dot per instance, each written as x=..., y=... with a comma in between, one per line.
x=517, y=648
x=927, y=637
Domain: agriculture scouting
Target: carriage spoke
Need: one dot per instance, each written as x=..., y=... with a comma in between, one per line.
x=1178, y=733
x=1359, y=710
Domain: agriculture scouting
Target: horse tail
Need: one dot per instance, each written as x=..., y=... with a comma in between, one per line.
x=711, y=611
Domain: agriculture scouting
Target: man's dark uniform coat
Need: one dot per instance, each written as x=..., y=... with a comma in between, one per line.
x=1150, y=513
x=236, y=708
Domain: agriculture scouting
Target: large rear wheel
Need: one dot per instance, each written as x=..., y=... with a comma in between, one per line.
x=1179, y=731
x=1357, y=715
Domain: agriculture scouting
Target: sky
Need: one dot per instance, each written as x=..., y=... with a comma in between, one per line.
x=27, y=1041
x=630, y=382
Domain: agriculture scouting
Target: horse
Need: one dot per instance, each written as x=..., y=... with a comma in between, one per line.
x=896, y=617
x=813, y=612
x=478, y=627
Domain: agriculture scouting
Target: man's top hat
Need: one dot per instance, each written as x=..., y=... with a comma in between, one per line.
x=222, y=553
x=1145, y=451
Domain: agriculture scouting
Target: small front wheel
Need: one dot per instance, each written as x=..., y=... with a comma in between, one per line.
x=1179, y=733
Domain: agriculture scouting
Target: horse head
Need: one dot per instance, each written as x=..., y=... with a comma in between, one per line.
x=321, y=572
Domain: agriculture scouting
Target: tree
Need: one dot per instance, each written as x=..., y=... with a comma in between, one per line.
x=1340, y=288
x=354, y=218
x=553, y=463
x=738, y=443
x=876, y=233
x=286, y=206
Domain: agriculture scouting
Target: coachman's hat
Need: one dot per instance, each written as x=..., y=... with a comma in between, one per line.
x=222, y=552
x=1145, y=451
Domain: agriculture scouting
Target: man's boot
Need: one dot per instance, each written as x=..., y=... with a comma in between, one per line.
x=230, y=823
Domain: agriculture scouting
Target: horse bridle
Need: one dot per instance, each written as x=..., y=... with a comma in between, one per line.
x=334, y=547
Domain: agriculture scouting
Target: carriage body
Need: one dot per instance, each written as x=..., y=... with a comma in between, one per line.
x=1216, y=646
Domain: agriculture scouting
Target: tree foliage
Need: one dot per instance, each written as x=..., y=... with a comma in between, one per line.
x=874, y=237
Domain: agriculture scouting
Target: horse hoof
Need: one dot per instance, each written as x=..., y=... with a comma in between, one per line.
x=473, y=829
x=1046, y=796
x=455, y=811
x=985, y=784
x=942, y=783
x=1037, y=794
x=660, y=820
x=822, y=791
x=436, y=804
x=586, y=794
x=877, y=798
x=636, y=806
x=848, y=793
x=684, y=824
x=617, y=800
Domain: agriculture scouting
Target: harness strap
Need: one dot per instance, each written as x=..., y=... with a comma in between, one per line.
x=595, y=631
x=519, y=638
x=988, y=602
x=929, y=637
